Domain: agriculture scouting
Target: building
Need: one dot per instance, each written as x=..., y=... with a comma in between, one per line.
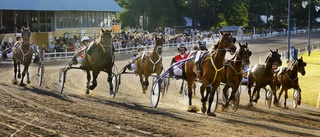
x=235, y=30
x=48, y=19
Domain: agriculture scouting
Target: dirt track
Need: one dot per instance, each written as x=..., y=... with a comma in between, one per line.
x=41, y=111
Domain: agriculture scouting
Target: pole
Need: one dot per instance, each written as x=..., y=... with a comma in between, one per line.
x=289, y=23
x=309, y=50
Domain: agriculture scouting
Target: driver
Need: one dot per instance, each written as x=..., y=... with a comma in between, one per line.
x=132, y=65
x=85, y=42
x=19, y=40
x=177, y=69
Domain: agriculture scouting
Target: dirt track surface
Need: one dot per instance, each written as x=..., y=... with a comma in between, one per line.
x=40, y=111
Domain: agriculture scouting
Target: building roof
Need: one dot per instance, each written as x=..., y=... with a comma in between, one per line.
x=61, y=5
x=231, y=28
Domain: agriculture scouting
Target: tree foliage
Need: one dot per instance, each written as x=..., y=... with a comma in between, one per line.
x=214, y=13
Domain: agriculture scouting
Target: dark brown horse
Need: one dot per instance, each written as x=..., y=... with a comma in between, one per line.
x=150, y=63
x=289, y=78
x=232, y=72
x=22, y=54
x=262, y=75
x=100, y=57
x=209, y=71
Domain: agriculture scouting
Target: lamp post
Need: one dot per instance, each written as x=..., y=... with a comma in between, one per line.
x=309, y=50
x=289, y=23
x=304, y=4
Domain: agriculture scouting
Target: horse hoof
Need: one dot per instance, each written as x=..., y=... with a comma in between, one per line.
x=194, y=109
x=19, y=76
x=28, y=81
x=224, y=108
x=91, y=87
x=249, y=104
x=203, y=109
x=144, y=92
x=15, y=82
x=212, y=114
x=87, y=91
x=276, y=104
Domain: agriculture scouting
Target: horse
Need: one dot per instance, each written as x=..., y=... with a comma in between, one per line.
x=150, y=63
x=262, y=75
x=232, y=72
x=289, y=78
x=22, y=54
x=209, y=71
x=99, y=57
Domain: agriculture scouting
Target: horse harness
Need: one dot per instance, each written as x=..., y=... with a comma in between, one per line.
x=19, y=46
x=214, y=66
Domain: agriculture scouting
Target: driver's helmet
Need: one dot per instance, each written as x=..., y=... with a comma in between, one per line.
x=84, y=38
x=140, y=47
x=18, y=35
x=181, y=45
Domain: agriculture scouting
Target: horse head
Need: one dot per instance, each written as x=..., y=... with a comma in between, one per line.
x=158, y=45
x=274, y=58
x=227, y=42
x=301, y=66
x=244, y=53
x=25, y=35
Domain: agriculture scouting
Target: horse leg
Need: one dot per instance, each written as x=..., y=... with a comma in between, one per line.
x=110, y=82
x=274, y=92
x=190, y=107
x=226, y=96
x=285, y=98
x=15, y=81
x=212, y=94
x=19, y=73
x=145, y=84
x=256, y=94
x=25, y=70
x=204, y=98
x=181, y=88
x=95, y=74
x=249, y=86
x=88, y=81
x=28, y=77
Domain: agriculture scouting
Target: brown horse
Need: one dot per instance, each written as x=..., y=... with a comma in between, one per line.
x=262, y=75
x=100, y=57
x=232, y=73
x=150, y=63
x=209, y=71
x=22, y=54
x=289, y=78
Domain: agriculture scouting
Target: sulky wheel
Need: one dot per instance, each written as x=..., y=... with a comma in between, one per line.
x=115, y=85
x=40, y=73
x=235, y=103
x=155, y=92
x=62, y=80
x=268, y=98
x=296, y=97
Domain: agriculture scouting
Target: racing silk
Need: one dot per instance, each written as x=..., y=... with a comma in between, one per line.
x=179, y=57
x=80, y=55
